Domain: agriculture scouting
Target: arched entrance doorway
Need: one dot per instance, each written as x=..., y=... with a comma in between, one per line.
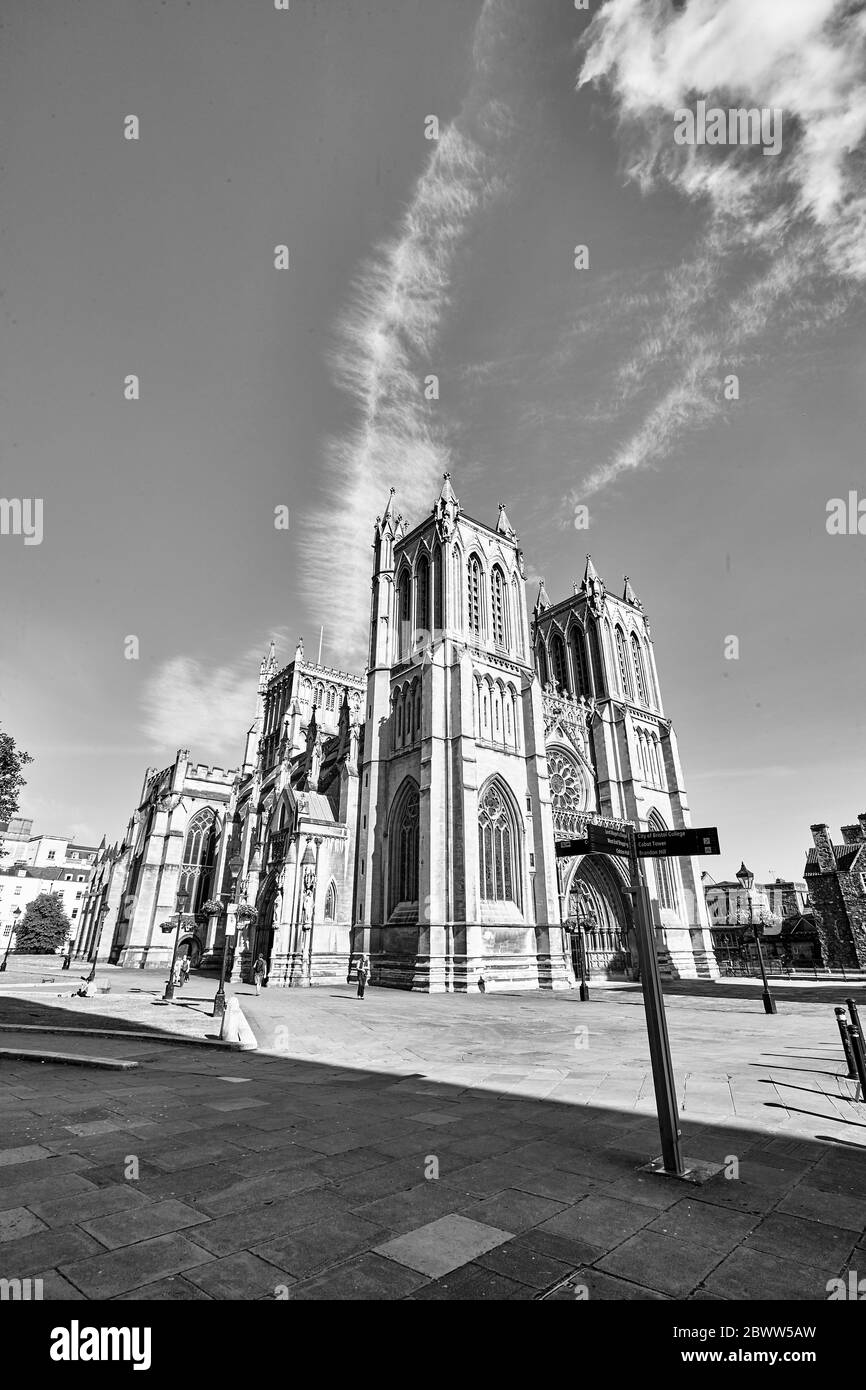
x=262, y=943
x=595, y=901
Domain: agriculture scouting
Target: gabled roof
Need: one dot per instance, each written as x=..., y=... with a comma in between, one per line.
x=845, y=855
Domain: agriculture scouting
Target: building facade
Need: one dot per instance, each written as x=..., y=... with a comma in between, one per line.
x=412, y=812
x=836, y=875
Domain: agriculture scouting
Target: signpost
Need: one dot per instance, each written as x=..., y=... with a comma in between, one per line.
x=637, y=845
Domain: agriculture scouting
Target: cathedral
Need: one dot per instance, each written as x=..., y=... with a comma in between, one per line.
x=412, y=812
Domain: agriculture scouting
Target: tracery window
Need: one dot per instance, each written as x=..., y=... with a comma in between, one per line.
x=640, y=677
x=422, y=594
x=541, y=663
x=581, y=668
x=567, y=790
x=474, y=596
x=404, y=847
x=557, y=654
x=404, y=612
x=197, y=863
x=499, y=871
x=500, y=628
x=622, y=657
x=663, y=869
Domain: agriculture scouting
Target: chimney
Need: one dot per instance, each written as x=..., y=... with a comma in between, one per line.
x=862, y=820
x=823, y=844
x=853, y=834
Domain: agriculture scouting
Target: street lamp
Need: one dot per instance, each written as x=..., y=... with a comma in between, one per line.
x=747, y=879
x=181, y=901
x=219, y=1003
x=13, y=928
x=585, y=915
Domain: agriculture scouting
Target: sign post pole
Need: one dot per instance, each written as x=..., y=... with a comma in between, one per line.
x=660, y=1048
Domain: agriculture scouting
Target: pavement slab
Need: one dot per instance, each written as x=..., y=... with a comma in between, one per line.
x=308, y=1172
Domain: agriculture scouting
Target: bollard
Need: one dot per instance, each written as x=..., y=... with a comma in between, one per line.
x=846, y=1041
x=855, y=1016
x=859, y=1057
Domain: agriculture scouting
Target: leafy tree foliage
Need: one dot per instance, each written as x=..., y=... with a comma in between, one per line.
x=12, y=760
x=44, y=926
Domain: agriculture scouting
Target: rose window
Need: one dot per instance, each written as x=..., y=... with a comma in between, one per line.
x=566, y=786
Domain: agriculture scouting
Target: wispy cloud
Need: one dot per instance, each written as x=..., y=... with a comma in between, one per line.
x=190, y=703
x=385, y=344
x=791, y=230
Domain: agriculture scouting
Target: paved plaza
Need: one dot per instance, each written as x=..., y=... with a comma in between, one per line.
x=429, y=1147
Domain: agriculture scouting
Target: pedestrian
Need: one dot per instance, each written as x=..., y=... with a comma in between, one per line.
x=176, y=977
x=184, y=969
x=260, y=970
x=363, y=975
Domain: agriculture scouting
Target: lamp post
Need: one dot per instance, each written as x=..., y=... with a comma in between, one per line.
x=318, y=844
x=747, y=879
x=100, y=919
x=219, y=1003
x=585, y=915
x=181, y=901
x=13, y=928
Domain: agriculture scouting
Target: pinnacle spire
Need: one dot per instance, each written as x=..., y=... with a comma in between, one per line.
x=543, y=601
x=503, y=525
x=629, y=595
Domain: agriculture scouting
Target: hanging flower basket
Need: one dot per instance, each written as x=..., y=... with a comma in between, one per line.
x=246, y=913
x=211, y=906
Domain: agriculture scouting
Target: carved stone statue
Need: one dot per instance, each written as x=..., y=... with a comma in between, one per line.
x=308, y=894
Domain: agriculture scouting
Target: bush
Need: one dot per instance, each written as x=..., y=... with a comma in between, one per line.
x=44, y=926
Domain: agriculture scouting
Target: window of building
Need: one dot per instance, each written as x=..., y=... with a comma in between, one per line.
x=422, y=594
x=497, y=847
x=665, y=881
x=639, y=673
x=624, y=671
x=331, y=903
x=404, y=846
x=474, y=596
x=581, y=668
x=557, y=655
x=498, y=602
x=51, y=854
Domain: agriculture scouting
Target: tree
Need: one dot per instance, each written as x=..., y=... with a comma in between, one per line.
x=12, y=760
x=44, y=926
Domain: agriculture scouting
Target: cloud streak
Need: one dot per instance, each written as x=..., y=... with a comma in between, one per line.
x=784, y=245
x=385, y=345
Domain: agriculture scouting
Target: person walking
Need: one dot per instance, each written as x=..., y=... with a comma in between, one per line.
x=184, y=970
x=363, y=975
x=260, y=970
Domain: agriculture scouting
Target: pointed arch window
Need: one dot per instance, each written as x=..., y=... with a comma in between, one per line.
x=438, y=566
x=331, y=700
x=639, y=673
x=498, y=865
x=422, y=594
x=665, y=881
x=404, y=846
x=331, y=902
x=541, y=663
x=597, y=665
x=198, y=861
x=404, y=613
x=624, y=669
x=557, y=655
x=473, y=595
x=517, y=618
x=499, y=608
x=581, y=668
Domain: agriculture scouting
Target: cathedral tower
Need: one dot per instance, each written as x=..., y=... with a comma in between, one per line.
x=598, y=648
x=456, y=876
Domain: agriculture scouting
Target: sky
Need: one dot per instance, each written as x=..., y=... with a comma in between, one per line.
x=560, y=387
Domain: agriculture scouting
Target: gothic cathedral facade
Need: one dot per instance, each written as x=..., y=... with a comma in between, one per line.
x=413, y=813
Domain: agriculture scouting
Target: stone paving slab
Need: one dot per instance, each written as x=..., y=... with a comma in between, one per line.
x=324, y=1173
